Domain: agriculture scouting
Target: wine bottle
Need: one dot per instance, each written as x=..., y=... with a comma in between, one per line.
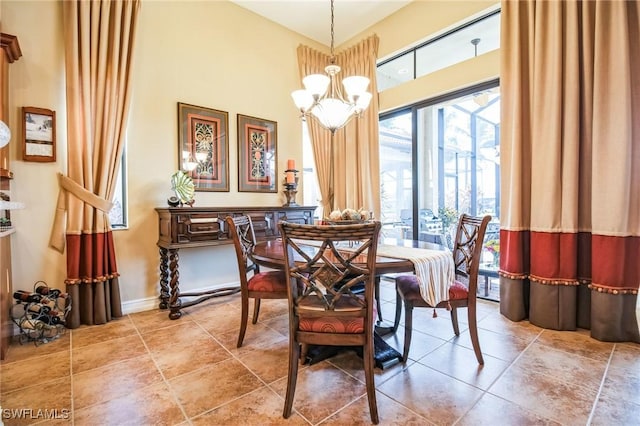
x=26, y=296
x=38, y=308
x=47, y=291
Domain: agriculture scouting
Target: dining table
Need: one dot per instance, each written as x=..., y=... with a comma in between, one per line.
x=394, y=256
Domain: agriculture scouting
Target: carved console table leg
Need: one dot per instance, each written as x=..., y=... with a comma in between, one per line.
x=164, y=279
x=174, y=301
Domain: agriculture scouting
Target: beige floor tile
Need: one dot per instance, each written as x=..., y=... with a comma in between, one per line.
x=152, y=320
x=499, y=324
x=565, y=366
x=545, y=395
x=502, y=346
x=183, y=348
x=89, y=335
x=20, y=351
x=279, y=324
x=107, y=352
x=613, y=411
x=153, y=405
x=440, y=326
x=257, y=337
x=36, y=370
x=113, y=381
x=212, y=386
x=389, y=413
x=626, y=355
x=461, y=363
x=261, y=407
x=576, y=343
x=421, y=343
x=622, y=384
x=321, y=391
x=491, y=410
x=350, y=362
x=270, y=363
x=42, y=401
x=439, y=398
x=218, y=319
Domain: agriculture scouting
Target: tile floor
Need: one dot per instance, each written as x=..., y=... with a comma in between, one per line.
x=146, y=369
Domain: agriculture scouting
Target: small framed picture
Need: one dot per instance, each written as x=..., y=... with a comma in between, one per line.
x=203, y=146
x=257, y=141
x=39, y=134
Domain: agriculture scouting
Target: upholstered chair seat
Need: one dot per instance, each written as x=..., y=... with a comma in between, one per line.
x=409, y=286
x=268, y=281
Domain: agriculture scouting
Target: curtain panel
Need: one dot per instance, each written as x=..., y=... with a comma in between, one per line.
x=347, y=165
x=570, y=154
x=99, y=39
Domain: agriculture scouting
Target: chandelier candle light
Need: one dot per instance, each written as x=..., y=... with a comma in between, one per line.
x=290, y=183
x=322, y=97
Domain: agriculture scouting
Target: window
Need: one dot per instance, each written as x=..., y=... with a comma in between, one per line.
x=479, y=36
x=441, y=158
x=118, y=214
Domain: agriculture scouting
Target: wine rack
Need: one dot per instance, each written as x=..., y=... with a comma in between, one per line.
x=40, y=314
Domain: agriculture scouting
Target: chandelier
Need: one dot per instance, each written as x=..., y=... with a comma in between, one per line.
x=322, y=96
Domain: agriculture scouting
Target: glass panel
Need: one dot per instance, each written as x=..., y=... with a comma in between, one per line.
x=118, y=213
x=462, y=43
x=458, y=172
x=395, y=72
x=457, y=46
x=396, y=176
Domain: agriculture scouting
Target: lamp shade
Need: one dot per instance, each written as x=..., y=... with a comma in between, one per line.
x=363, y=101
x=332, y=113
x=316, y=84
x=355, y=85
x=303, y=99
x=5, y=134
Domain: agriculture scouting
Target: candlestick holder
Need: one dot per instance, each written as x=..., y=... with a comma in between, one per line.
x=290, y=187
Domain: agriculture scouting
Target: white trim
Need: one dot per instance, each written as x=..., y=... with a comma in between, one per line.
x=150, y=303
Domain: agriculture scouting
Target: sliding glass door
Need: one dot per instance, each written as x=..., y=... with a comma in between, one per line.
x=440, y=159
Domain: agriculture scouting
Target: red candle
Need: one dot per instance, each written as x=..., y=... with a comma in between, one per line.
x=291, y=165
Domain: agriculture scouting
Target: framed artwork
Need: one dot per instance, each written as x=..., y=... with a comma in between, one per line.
x=203, y=146
x=257, y=141
x=38, y=134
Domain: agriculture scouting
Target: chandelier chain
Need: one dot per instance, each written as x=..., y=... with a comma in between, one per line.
x=333, y=58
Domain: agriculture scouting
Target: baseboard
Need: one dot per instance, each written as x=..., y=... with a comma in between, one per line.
x=150, y=303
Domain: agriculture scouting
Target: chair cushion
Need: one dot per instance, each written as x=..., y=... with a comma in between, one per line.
x=332, y=324
x=272, y=281
x=408, y=285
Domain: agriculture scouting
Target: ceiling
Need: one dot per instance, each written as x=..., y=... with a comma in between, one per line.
x=312, y=18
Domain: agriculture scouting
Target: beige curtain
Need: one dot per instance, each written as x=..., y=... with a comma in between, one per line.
x=348, y=166
x=99, y=40
x=570, y=165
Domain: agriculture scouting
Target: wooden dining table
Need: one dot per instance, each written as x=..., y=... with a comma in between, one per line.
x=271, y=255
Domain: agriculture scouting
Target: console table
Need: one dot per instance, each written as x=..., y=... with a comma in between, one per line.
x=185, y=227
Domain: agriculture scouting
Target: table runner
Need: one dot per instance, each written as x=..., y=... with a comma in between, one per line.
x=434, y=270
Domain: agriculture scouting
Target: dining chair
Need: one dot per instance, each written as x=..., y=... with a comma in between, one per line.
x=254, y=284
x=467, y=249
x=326, y=303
